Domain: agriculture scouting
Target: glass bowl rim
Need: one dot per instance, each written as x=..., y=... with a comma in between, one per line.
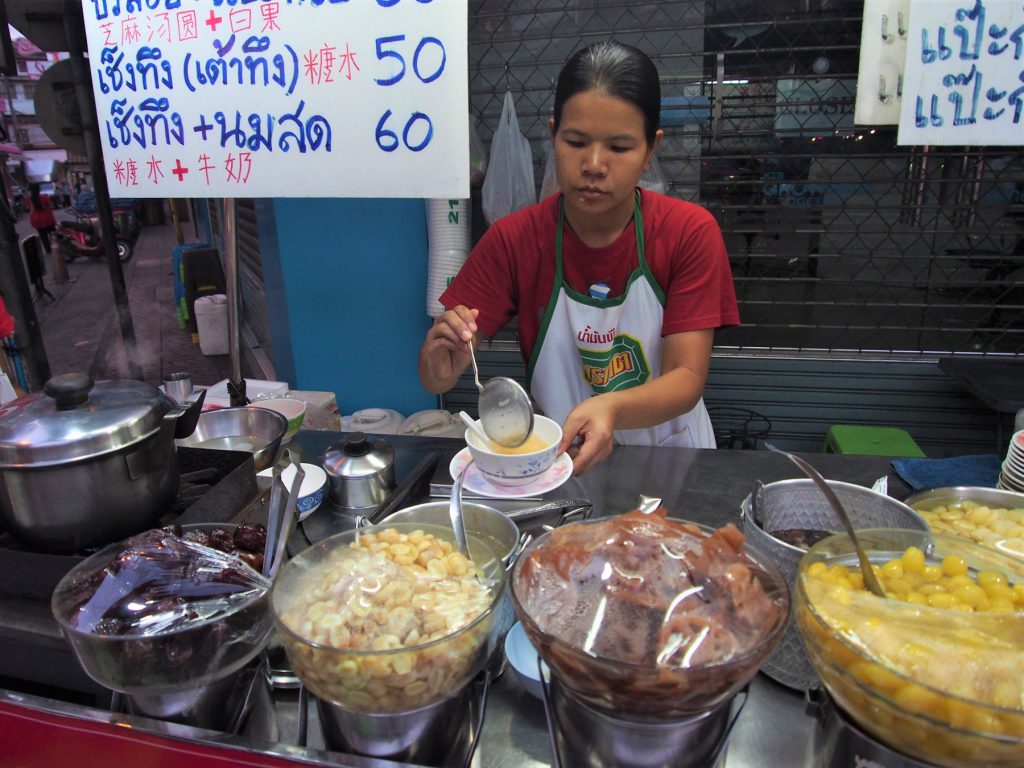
x=107, y=552
x=802, y=599
x=497, y=589
x=761, y=561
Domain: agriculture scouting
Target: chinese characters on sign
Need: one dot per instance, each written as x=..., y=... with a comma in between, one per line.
x=281, y=98
x=963, y=78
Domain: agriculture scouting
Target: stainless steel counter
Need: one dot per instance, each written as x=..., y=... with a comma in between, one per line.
x=705, y=486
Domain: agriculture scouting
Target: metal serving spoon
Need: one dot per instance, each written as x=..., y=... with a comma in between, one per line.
x=870, y=580
x=455, y=512
x=506, y=413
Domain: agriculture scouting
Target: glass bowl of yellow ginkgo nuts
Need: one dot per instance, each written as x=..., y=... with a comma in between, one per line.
x=989, y=516
x=935, y=669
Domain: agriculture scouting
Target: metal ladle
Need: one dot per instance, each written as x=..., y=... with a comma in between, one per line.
x=506, y=413
x=870, y=580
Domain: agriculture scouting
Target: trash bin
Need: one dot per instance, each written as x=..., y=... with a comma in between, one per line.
x=211, y=313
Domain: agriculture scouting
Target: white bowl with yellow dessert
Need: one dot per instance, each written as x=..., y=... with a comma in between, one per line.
x=522, y=464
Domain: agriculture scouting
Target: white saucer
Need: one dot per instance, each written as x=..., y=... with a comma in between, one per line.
x=475, y=482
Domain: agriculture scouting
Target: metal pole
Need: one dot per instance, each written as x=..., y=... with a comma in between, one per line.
x=74, y=28
x=236, y=383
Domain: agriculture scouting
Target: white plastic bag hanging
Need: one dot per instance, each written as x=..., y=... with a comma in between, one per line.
x=549, y=185
x=509, y=183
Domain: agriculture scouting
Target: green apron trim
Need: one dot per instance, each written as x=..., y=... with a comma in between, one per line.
x=642, y=270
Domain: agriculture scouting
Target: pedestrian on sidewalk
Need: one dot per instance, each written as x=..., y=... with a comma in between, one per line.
x=41, y=215
x=42, y=219
x=13, y=387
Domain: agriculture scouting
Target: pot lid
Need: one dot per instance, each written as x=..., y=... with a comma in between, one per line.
x=76, y=418
x=358, y=457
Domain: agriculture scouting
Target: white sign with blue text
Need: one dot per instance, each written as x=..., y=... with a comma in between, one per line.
x=281, y=98
x=962, y=81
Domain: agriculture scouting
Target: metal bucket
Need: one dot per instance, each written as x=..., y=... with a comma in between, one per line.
x=792, y=504
x=441, y=734
x=221, y=705
x=583, y=737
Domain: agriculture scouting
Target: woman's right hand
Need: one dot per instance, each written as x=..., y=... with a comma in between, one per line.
x=445, y=354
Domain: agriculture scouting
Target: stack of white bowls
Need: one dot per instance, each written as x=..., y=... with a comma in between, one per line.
x=1011, y=478
x=449, y=236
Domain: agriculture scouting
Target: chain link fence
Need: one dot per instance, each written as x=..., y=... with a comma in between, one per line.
x=839, y=239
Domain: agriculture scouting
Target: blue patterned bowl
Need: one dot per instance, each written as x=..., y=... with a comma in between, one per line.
x=517, y=468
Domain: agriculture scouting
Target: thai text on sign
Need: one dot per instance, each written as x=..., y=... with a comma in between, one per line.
x=281, y=98
x=964, y=76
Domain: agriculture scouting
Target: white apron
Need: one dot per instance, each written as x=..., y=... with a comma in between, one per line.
x=587, y=346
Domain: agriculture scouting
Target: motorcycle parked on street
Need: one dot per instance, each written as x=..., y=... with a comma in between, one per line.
x=80, y=235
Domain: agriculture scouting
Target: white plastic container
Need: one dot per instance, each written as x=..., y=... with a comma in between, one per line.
x=212, y=323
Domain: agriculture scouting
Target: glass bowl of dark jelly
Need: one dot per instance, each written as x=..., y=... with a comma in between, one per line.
x=787, y=519
x=167, y=610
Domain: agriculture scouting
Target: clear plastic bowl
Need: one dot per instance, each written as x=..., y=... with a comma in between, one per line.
x=386, y=680
x=200, y=652
x=920, y=720
x=643, y=691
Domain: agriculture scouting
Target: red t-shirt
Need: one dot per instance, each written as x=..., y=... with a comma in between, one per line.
x=512, y=269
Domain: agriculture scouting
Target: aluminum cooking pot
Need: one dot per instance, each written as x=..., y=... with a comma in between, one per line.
x=360, y=471
x=87, y=463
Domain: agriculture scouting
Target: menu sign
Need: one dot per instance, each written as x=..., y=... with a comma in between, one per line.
x=281, y=98
x=962, y=80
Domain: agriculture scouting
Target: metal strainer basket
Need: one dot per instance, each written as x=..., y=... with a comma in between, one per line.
x=798, y=503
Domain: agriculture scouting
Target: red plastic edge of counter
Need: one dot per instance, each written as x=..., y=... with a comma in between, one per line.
x=30, y=738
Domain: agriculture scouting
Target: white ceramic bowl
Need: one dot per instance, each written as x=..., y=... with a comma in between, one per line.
x=517, y=468
x=523, y=657
x=291, y=408
x=312, y=490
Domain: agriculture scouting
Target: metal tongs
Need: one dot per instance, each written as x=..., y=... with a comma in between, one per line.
x=281, y=517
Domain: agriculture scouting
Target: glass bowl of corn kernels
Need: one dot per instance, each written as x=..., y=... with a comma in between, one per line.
x=388, y=618
x=935, y=669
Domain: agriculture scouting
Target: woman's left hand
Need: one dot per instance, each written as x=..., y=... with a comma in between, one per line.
x=588, y=433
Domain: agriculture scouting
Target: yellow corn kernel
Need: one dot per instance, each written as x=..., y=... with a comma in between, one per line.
x=941, y=600
x=817, y=569
x=954, y=565
x=913, y=560
x=893, y=569
x=1001, y=605
x=896, y=586
x=930, y=588
x=1018, y=594
x=971, y=594
x=932, y=572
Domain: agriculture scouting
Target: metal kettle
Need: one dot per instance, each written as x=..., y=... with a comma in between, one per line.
x=360, y=471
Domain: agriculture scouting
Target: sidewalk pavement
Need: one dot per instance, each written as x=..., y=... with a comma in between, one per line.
x=80, y=327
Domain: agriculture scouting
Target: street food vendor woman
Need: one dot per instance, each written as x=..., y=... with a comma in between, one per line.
x=618, y=290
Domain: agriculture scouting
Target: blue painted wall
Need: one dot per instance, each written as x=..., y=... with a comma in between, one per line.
x=346, y=289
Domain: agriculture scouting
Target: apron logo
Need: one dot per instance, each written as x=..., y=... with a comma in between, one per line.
x=622, y=366
x=589, y=336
